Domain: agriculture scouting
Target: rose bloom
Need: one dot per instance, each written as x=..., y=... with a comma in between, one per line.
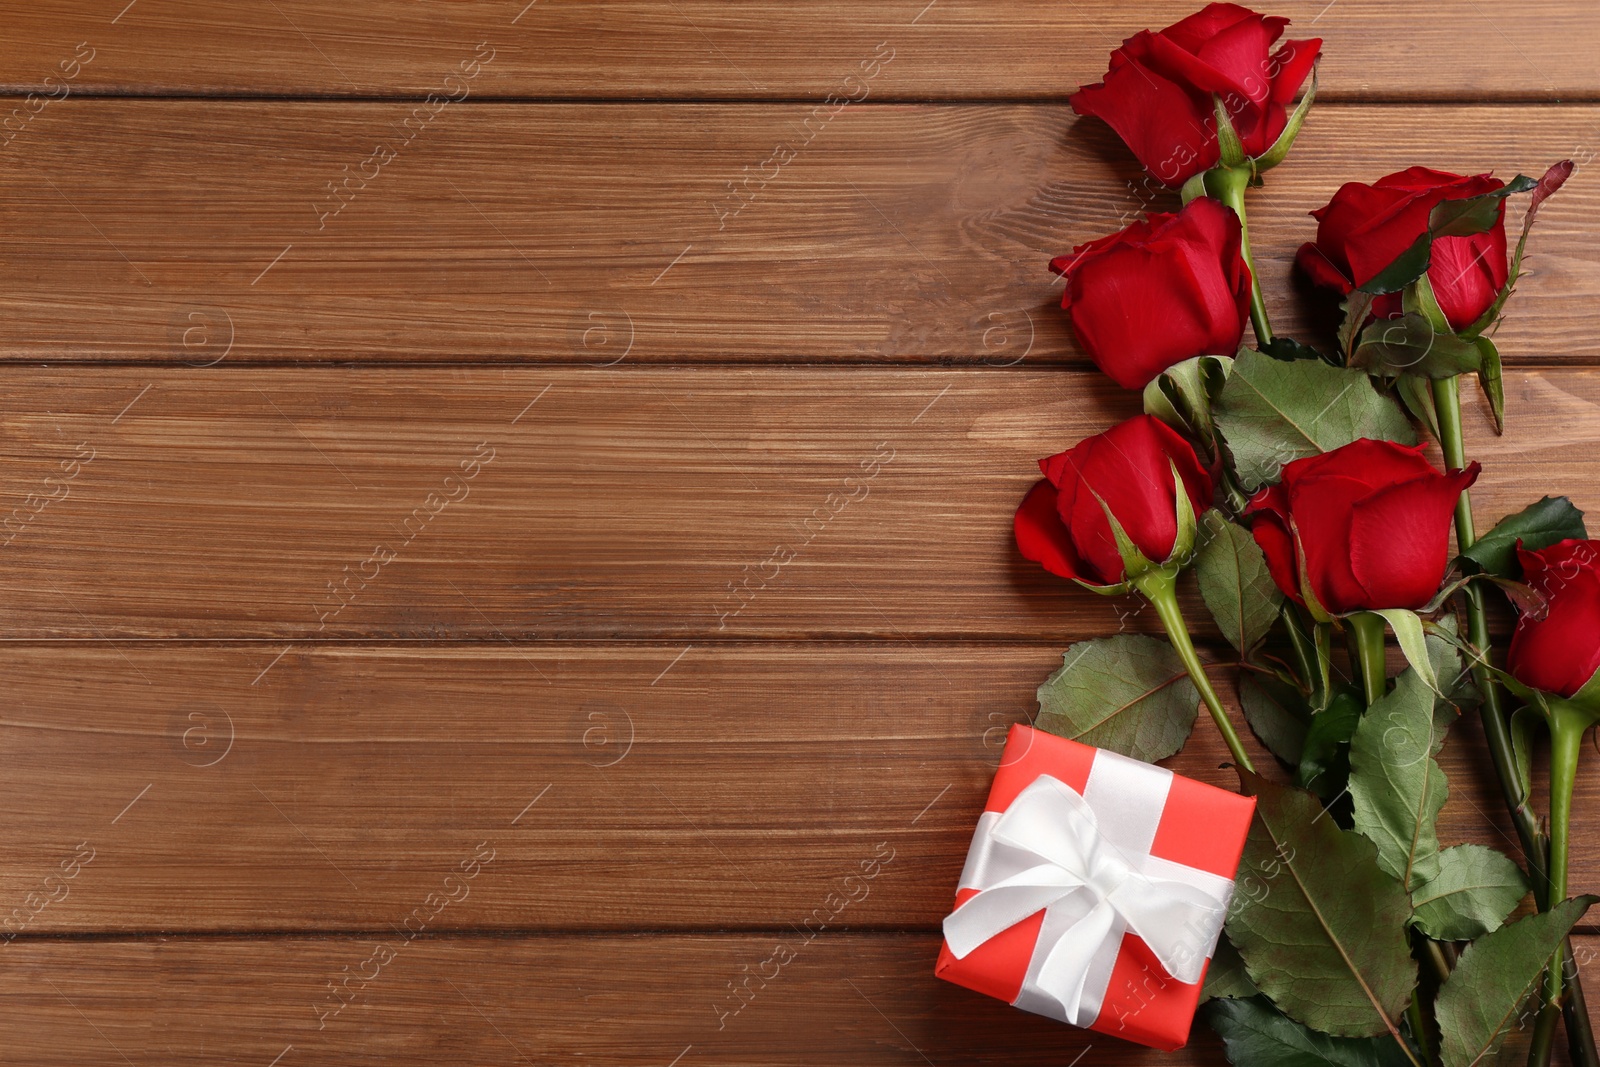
x=1367, y=524
x=1158, y=93
x=1161, y=291
x=1560, y=651
x=1061, y=524
x=1364, y=228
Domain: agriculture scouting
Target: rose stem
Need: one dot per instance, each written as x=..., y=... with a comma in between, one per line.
x=1366, y=647
x=1366, y=641
x=1228, y=184
x=1161, y=589
x=1447, y=403
x=1567, y=725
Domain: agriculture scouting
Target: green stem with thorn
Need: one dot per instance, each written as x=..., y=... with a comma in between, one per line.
x=1568, y=723
x=1366, y=633
x=1497, y=735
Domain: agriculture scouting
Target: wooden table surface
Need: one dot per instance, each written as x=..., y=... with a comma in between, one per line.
x=403, y=413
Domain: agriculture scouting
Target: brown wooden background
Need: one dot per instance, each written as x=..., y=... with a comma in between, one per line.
x=223, y=403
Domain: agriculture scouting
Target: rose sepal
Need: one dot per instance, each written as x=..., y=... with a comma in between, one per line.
x=1418, y=344
x=1582, y=707
x=1406, y=625
x=1230, y=150
x=1552, y=180
x=1291, y=129
x=1137, y=568
x=1181, y=397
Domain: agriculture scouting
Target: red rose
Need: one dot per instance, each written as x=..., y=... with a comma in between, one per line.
x=1159, y=292
x=1158, y=94
x=1062, y=525
x=1364, y=228
x=1367, y=525
x=1560, y=652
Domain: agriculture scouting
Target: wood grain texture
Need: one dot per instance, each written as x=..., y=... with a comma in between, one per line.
x=639, y=1000
x=185, y=232
x=947, y=49
x=334, y=788
x=477, y=624
x=675, y=504
x=857, y=999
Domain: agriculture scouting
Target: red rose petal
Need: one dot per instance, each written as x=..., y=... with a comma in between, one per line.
x=1041, y=536
x=1293, y=62
x=1400, y=538
x=1561, y=652
x=1160, y=121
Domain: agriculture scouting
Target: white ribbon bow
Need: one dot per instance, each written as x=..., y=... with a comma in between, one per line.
x=1047, y=853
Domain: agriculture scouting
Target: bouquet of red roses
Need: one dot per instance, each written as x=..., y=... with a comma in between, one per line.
x=1293, y=478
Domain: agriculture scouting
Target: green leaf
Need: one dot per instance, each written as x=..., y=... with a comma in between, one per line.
x=1396, y=788
x=1225, y=974
x=1324, y=760
x=1407, y=267
x=1412, y=345
x=1320, y=925
x=1356, y=306
x=1419, y=297
x=1492, y=379
x=1474, y=214
x=1235, y=583
x=1129, y=693
x=1287, y=350
x=1277, y=713
x=1474, y=890
x=1478, y=1005
x=1180, y=396
x=1417, y=396
x=1457, y=690
x=1537, y=526
x=1271, y=412
x=1408, y=632
x=1255, y=1034
x=1449, y=218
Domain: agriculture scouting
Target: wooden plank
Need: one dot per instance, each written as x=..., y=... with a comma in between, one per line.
x=952, y=49
x=228, y=788
x=171, y=231
x=850, y=998
x=676, y=504
x=614, y=999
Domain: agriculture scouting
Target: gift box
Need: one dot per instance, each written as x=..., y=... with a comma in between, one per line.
x=1095, y=889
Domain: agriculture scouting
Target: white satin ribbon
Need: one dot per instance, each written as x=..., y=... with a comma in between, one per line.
x=1047, y=852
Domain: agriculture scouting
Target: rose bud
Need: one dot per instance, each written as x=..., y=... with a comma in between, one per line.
x=1560, y=651
x=1162, y=291
x=1366, y=527
x=1364, y=228
x=1158, y=94
x=1062, y=523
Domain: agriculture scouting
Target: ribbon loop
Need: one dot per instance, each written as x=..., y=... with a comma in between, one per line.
x=1047, y=853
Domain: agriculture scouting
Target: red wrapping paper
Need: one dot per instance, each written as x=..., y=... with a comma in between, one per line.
x=1199, y=826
